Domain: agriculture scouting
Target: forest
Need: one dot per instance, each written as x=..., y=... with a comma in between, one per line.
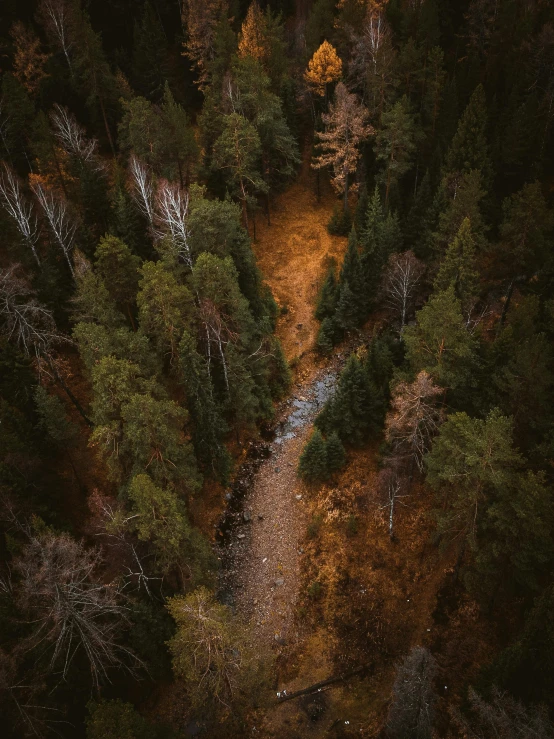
x=276, y=369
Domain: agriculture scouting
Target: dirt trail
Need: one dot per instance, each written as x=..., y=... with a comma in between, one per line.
x=293, y=254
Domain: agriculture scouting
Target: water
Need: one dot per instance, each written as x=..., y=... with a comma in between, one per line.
x=231, y=533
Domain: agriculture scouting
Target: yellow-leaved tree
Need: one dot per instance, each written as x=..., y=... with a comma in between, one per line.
x=324, y=68
x=252, y=40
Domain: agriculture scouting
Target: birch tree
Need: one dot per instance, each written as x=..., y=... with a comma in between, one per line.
x=402, y=277
x=20, y=210
x=61, y=224
x=55, y=18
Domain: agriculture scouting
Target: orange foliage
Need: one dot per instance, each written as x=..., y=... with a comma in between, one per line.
x=29, y=61
x=252, y=41
x=323, y=68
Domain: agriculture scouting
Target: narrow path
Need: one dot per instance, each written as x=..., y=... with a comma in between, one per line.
x=263, y=552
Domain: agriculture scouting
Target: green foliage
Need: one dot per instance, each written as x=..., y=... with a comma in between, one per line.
x=340, y=222
x=395, y=144
x=53, y=417
x=118, y=268
x=327, y=297
x=328, y=335
x=114, y=719
x=336, y=456
x=487, y=501
x=458, y=269
x=313, y=461
x=209, y=649
x=440, y=342
x=469, y=149
x=356, y=411
x=160, y=519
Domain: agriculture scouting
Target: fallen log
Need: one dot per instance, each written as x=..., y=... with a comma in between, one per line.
x=283, y=696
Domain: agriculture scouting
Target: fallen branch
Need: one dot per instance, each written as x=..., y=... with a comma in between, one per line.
x=284, y=696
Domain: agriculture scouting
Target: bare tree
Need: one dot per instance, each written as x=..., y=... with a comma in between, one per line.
x=62, y=226
x=502, y=718
x=55, y=17
x=72, y=136
x=172, y=205
x=143, y=188
x=23, y=319
x=69, y=609
x=19, y=209
x=411, y=712
x=402, y=276
x=414, y=417
x=391, y=485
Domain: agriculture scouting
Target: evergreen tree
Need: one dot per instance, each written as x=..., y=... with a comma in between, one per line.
x=208, y=425
x=327, y=297
x=458, y=269
x=469, y=148
x=118, y=268
x=352, y=298
x=356, y=411
x=328, y=335
x=313, y=461
x=150, y=68
x=180, y=150
x=336, y=456
x=440, y=343
x=395, y=144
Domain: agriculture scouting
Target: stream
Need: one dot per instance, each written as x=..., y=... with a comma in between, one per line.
x=232, y=534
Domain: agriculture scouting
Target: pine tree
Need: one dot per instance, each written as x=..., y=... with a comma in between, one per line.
x=160, y=518
x=356, y=410
x=327, y=297
x=458, y=269
x=118, y=268
x=352, y=298
x=440, y=343
x=469, y=148
x=394, y=146
x=336, y=456
x=527, y=221
x=313, y=461
x=150, y=67
x=328, y=335
x=180, y=150
x=208, y=425
x=463, y=200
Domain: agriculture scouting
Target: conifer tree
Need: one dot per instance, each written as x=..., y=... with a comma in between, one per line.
x=458, y=269
x=180, y=150
x=313, y=461
x=324, y=68
x=462, y=199
x=395, y=144
x=336, y=456
x=352, y=298
x=237, y=153
x=346, y=128
x=327, y=297
x=440, y=342
x=150, y=68
x=328, y=335
x=208, y=424
x=160, y=518
x=356, y=410
x=524, y=230
x=118, y=268
x=469, y=148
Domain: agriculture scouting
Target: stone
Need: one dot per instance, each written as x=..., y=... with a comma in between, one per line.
x=298, y=497
x=246, y=516
x=241, y=536
x=228, y=496
x=260, y=517
x=277, y=469
x=280, y=581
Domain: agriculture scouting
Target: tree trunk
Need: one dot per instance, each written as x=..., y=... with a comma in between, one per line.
x=72, y=398
x=104, y=116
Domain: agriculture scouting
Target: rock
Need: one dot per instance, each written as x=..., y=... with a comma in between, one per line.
x=299, y=325
x=260, y=517
x=277, y=469
x=246, y=516
x=280, y=581
x=241, y=536
x=298, y=497
x=228, y=496
x=280, y=640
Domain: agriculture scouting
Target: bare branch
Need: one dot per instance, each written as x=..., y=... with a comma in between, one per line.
x=72, y=136
x=62, y=226
x=143, y=188
x=19, y=209
x=172, y=205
